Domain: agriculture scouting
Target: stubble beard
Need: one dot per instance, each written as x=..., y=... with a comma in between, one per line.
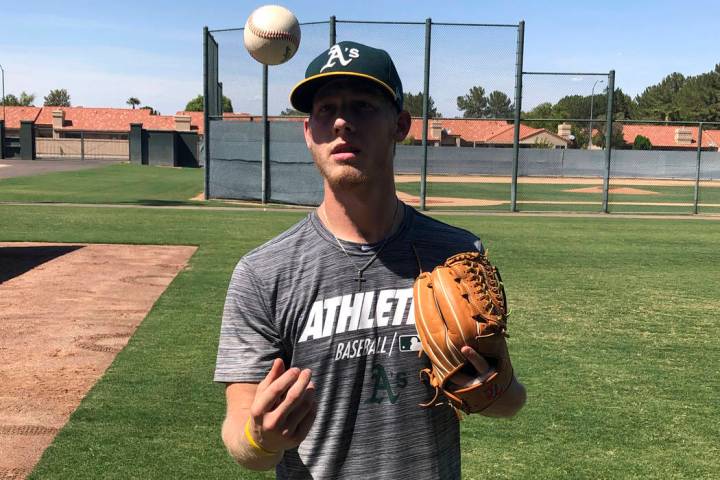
x=349, y=176
x=344, y=177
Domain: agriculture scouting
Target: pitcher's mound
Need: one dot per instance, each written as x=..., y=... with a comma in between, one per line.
x=618, y=190
x=414, y=200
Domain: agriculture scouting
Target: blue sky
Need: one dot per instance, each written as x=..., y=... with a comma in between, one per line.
x=104, y=52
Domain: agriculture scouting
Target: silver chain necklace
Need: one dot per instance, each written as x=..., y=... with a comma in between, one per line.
x=359, y=279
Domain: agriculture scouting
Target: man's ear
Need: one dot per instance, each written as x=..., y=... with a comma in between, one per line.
x=403, y=125
x=307, y=132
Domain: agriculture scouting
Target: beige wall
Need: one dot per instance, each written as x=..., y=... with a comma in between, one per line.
x=543, y=137
x=70, y=147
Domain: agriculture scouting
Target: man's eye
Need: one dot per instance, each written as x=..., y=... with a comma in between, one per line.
x=324, y=108
x=365, y=105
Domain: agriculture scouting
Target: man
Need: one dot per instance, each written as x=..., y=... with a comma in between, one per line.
x=326, y=306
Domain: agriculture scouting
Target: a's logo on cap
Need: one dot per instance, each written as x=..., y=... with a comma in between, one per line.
x=336, y=53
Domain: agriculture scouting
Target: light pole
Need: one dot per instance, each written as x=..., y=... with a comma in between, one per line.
x=592, y=99
x=3, y=91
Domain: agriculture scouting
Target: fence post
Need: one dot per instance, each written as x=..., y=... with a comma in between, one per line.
x=333, y=31
x=608, y=138
x=2, y=138
x=426, y=101
x=265, y=154
x=518, y=109
x=27, y=140
x=82, y=145
x=220, y=102
x=135, y=143
x=206, y=113
x=696, y=195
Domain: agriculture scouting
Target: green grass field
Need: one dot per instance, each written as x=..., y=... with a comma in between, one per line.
x=613, y=331
x=143, y=185
x=121, y=183
x=543, y=197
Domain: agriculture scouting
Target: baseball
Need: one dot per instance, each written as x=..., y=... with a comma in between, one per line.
x=272, y=34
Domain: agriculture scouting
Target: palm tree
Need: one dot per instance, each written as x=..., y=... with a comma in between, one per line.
x=133, y=102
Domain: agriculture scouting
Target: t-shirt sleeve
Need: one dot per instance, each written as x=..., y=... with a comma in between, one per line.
x=249, y=340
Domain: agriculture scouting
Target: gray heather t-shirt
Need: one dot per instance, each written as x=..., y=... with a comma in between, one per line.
x=296, y=297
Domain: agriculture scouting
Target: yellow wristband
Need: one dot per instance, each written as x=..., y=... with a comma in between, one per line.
x=253, y=443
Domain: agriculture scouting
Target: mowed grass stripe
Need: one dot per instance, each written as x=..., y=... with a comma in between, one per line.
x=120, y=183
x=613, y=330
x=560, y=193
x=160, y=186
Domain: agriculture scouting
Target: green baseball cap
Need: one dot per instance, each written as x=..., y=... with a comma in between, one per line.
x=348, y=59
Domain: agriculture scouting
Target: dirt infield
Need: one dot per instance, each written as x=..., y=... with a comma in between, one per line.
x=66, y=310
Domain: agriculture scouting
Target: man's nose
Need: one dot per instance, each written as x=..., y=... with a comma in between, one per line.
x=343, y=122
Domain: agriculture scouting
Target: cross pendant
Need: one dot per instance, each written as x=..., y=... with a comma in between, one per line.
x=359, y=280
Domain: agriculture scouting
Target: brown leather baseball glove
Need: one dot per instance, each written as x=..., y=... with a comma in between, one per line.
x=462, y=302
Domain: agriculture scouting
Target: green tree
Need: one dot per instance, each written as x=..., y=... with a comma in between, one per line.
x=25, y=100
x=11, y=100
x=57, y=98
x=616, y=137
x=413, y=103
x=699, y=97
x=133, y=102
x=196, y=105
x=580, y=132
x=624, y=107
x=291, y=112
x=658, y=102
x=152, y=110
x=542, y=143
x=499, y=105
x=573, y=106
x=473, y=104
x=544, y=110
x=642, y=143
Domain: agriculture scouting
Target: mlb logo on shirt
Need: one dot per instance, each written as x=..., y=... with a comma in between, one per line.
x=410, y=343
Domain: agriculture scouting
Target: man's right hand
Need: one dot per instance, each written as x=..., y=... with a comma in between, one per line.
x=279, y=411
x=283, y=409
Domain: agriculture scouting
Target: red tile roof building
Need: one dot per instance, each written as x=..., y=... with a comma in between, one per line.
x=115, y=123
x=14, y=115
x=671, y=137
x=98, y=120
x=480, y=132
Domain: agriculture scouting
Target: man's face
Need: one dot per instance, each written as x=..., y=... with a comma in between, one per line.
x=352, y=131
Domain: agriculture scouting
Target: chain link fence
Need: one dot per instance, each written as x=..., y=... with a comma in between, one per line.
x=425, y=52
x=558, y=167
x=668, y=167
x=536, y=141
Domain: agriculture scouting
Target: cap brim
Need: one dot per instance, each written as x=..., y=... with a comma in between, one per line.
x=302, y=94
